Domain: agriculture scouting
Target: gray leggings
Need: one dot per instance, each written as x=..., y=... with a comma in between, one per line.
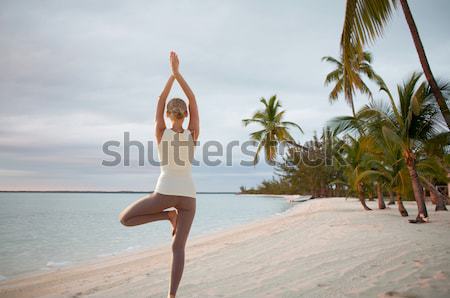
x=151, y=208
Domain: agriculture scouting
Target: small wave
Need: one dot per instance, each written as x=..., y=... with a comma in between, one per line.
x=2, y=277
x=53, y=264
x=109, y=254
x=133, y=247
x=106, y=255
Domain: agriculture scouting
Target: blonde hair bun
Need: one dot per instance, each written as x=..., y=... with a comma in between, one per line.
x=177, y=107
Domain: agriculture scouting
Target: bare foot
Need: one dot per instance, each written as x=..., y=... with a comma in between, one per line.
x=173, y=214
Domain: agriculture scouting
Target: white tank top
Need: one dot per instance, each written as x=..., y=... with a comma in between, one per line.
x=176, y=152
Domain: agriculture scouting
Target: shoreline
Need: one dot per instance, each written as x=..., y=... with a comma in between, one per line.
x=276, y=196
x=261, y=259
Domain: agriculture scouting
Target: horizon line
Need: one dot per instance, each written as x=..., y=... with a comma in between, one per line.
x=108, y=191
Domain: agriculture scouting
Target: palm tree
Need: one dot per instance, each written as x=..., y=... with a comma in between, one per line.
x=403, y=190
x=346, y=84
x=430, y=170
x=433, y=166
x=388, y=169
x=357, y=157
x=365, y=21
x=274, y=129
x=408, y=126
x=375, y=171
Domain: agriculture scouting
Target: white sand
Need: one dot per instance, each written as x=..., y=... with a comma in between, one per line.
x=321, y=248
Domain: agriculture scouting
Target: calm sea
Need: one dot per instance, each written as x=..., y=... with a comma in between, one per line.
x=41, y=231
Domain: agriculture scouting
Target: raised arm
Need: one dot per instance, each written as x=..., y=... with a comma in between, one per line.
x=194, y=122
x=160, y=124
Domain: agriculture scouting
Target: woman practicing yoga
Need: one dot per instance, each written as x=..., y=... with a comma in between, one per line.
x=175, y=187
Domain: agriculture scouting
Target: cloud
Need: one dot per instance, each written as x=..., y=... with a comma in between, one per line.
x=76, y=74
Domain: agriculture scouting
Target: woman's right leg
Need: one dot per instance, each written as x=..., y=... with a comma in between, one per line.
x=147, y=209
x=150, y=208
x=186, y=210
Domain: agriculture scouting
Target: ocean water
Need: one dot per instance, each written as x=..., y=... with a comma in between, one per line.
x=41, y=231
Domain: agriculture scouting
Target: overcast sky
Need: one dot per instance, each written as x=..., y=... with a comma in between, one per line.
x=77, y=74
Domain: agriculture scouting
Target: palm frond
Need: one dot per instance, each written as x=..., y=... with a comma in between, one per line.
x=332, y=60
x=364, y=21
x=333, y=76
x=289, y=123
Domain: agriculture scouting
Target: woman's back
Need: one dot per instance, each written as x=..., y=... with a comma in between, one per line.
x=176, y=151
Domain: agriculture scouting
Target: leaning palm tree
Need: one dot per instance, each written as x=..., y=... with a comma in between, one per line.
x=430, y=169
x=274, y=130
x=365, y=21
x=350, y=84
x=433, y=166
x=408, y=126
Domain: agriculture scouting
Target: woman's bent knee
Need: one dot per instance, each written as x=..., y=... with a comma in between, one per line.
x=123, y=218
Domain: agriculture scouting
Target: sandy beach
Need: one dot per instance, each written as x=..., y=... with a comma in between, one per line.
x=320, y=248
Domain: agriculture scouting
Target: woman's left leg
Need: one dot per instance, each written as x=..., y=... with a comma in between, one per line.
x=186, y=212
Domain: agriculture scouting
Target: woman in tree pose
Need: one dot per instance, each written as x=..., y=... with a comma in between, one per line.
x=175, y=187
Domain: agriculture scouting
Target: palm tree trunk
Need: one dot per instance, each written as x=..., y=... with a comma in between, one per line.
x=353, y=108
x=401, y=207
x=362, y=199
x=391, y=198
x=417, y=189
x=441, y=202
x=439, y=198
x=381, y=204
x=433, y=198
x=424, y=61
